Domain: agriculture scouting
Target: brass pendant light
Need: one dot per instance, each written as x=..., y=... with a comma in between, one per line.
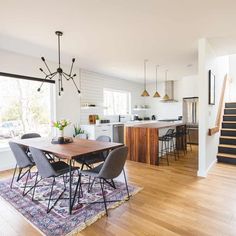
x=156, y=94
x=145, y=92
x=166, y=97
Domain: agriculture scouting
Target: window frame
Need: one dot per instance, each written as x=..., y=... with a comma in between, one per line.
x=128, y=95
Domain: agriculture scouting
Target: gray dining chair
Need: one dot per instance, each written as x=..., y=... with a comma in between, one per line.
x=52, y=170
x=109, y=170
x=23, y=163
x=91, y=159
x=30, y=135
x=35, y=135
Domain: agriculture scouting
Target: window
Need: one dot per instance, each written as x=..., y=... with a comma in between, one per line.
x=23, y=109
x=116, y=102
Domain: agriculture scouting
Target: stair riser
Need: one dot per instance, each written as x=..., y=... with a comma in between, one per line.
x=230, y=111
x=230, y=105
x=229, y=118
x=228, y=133
x=229, y=125
x=227, y=150
x=227, y=160
x=227, y=141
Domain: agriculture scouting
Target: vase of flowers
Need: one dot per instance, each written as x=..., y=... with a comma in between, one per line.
x=60, y=125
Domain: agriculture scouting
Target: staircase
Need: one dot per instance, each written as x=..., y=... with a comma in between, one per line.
x=227, y=146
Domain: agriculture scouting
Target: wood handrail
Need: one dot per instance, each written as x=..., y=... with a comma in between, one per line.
x=219, y=116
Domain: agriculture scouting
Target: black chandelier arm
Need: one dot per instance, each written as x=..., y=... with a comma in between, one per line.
x=45, y=79
x=72, y=78
x=71, y=68
x=65, y=76
x=75, y=84
x=44, y=61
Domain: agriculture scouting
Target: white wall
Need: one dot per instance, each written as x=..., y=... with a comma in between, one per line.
x=68, y=105
x=232, y=74
x=185, y=87
x=92, y=85
x=208, y=145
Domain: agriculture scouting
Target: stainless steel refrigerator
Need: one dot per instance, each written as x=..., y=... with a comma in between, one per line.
x=190, y=117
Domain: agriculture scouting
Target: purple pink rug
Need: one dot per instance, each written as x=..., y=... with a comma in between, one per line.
x=58, y=221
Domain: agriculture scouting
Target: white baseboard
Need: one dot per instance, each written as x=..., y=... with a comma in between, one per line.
x=202, y=173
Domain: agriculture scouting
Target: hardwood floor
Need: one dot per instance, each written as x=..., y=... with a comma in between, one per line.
x=173, y=202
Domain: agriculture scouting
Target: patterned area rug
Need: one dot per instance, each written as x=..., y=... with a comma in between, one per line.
x=58, y=221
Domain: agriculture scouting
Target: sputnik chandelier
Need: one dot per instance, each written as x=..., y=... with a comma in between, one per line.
x=61, y=74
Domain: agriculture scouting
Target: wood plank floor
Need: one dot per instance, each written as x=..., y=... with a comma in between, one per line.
x=173, y=202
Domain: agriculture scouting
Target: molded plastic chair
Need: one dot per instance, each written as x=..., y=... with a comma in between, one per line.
x=49, y=170
x=109, y=170
x=89, y=160
x=22, y=162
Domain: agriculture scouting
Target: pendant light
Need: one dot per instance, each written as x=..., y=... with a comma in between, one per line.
x=166, y=97
x=145, y=92
x=62, y=76
x=156, y=94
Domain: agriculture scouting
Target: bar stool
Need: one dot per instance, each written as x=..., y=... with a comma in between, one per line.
x=180, y=137
x=167, y=142
x=187, y=133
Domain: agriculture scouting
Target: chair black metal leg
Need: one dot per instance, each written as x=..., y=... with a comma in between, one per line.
x=18, y=177
x=90, y=186
x=35, y=183
x=103, y=195
x=166, y=149
x=13, y=176
x=27, y=177
x=126, y=184
x=48, y=208
x=76, y=189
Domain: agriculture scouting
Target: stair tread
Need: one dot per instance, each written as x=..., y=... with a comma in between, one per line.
x=228, y=137
x=226, y=155
x=229, y=114
x=225, y=129
x=227, y=145
x=229, y=122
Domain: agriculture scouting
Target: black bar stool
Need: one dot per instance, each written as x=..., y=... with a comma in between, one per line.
x=167, y=145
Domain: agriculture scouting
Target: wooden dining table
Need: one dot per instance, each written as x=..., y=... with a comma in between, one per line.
x=77, y=148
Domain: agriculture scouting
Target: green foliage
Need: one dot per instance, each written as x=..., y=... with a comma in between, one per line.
x=77, y=130
x=13, y=112
x=60, y=124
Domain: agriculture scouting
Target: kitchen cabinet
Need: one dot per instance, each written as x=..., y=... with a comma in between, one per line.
x=94, y=131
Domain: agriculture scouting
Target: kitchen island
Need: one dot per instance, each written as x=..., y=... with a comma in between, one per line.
x=142, y=140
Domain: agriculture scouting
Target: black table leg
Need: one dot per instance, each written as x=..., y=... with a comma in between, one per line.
x=70, y=188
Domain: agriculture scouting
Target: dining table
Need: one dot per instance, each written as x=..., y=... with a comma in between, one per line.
x=68, y=151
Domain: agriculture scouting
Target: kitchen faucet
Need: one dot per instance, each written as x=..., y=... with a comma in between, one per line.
x=120, y=117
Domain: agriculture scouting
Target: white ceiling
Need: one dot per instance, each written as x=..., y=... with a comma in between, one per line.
x=113, y=37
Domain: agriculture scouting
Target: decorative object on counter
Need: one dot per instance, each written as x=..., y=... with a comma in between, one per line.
x=97, y=120
x=211, y=90
x=62, y=141
x=78, y=132
x=104, y=121
x=154, y=117
x=60, y=125
x=156, y=94
x=166, y=97
x=145, y=92
x=92, y=119
x=61, y=74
